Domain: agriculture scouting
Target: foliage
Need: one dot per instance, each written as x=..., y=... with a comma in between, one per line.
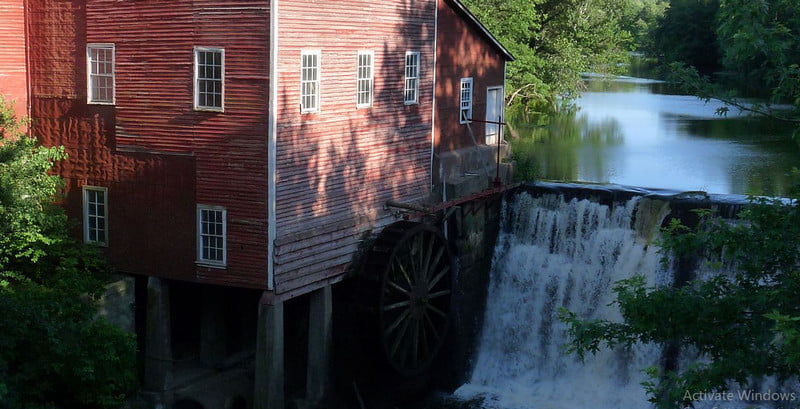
x=55, y=354
x=54, y=351
x=744, y=324
x=728, y=49
x=641, y=20
x=554, y=41
x=685, y=33
x=759, y=40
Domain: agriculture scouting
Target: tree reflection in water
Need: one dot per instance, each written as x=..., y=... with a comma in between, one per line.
x=556, y=150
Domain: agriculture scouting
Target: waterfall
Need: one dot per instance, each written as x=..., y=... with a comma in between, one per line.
x=554, y=253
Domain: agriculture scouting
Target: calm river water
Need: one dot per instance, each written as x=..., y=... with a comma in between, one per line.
x=635, y=132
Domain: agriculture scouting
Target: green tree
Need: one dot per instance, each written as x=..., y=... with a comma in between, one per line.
x=729, y=49
x=641, y=20
x=554, y=42
x=686, y=33
x=744, y=324
x=54, y=351
x=760, y=45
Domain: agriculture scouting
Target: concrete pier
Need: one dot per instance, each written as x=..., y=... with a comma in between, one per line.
x=158, y=368
x=319, y=345
x=269, y=372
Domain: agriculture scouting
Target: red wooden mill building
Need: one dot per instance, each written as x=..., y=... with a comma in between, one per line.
x=235, y=155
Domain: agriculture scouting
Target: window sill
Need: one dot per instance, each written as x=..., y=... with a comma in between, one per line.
x=209, y=109
x=101, y=103
x=209, y=264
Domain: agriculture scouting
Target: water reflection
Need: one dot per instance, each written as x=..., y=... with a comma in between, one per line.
x=636, y=132
x=569, y=141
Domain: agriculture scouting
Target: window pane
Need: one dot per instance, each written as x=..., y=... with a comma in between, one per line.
x=209, y=78
x=466, y=100
x=212, y=235
x=411, y=77
x=95, y=225
x=364, y=81
x=309, y=82
x=101, y=73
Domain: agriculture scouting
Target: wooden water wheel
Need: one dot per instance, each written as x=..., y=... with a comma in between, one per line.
x=411, y=267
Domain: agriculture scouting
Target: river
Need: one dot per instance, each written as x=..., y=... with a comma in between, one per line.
x=633, y=131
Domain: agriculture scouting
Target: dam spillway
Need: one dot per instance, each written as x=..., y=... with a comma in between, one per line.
x=564, y=246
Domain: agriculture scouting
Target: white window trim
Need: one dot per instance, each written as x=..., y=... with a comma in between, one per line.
x=371, y=78
x=199, y=253
x=195, y=95
x=462, y=108
x=317, y=82
x=85, y=211
x=89, y=95
x=415, y=101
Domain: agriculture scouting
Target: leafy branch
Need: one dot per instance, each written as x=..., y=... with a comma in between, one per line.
x=742, y=323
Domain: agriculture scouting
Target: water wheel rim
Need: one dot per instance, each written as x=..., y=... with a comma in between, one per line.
x=415, y=300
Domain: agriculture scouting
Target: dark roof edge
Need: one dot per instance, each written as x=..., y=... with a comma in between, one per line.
x=474, y=20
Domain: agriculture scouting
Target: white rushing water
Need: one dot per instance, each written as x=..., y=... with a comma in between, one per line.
x=555, y=254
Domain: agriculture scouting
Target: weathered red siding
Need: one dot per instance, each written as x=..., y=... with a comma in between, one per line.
x=151, y=197
x=13, y=69
x=154, y=55
x=56, y=30
x=157, y=156
x=337, y=168
x=462, y=51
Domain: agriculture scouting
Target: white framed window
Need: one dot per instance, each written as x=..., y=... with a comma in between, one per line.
x=466, y=101
x=365, y=79
x=209, y=79
x=309, y=81
x=100, y=71
x=411, y=93
x=211, y=235
x=95, y=215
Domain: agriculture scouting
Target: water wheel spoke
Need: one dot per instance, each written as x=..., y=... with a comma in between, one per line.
x=438, y=294
x=404, y=346
x=396, y=322
x=436, y=310
x=438, y=277
x=415, y=343
x=396, y=305
x=395, y=286
x=426, y=266
x=435, y=262
x=430, y=323
x=400, y=336
x=404, y=273
x=425, y=350
x=417, y=255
